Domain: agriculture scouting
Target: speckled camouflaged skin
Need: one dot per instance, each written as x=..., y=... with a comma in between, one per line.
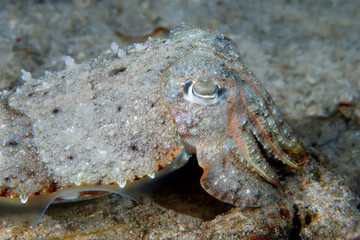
x=100, y=121
x=125, y=115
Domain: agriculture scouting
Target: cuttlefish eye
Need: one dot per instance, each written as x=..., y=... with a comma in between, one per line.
x=203, y=92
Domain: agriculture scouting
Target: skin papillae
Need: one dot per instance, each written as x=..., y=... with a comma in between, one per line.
x=126, y=115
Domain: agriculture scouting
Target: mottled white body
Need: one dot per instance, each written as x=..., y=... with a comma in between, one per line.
x=97, y=122
x=126, y=114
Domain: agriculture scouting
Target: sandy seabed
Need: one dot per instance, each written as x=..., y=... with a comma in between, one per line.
x=305, y=52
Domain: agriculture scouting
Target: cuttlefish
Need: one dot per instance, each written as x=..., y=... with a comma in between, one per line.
x=129, y=115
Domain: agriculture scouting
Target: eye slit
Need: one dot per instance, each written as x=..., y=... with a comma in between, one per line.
x=203, y=92
x=205, y=89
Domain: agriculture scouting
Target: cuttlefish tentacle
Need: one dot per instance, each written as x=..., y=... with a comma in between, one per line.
x=245, y=147
x=280, y=129
x=265, y=123
x=281, y=125
x=244, y=144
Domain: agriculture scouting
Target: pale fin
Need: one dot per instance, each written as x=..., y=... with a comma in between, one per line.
x=36, y=205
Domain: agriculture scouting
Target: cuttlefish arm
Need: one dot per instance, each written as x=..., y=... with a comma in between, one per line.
x=227, y=178
x=36, y=205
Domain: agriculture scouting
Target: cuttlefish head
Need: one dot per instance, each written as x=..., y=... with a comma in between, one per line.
x=224, y=115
